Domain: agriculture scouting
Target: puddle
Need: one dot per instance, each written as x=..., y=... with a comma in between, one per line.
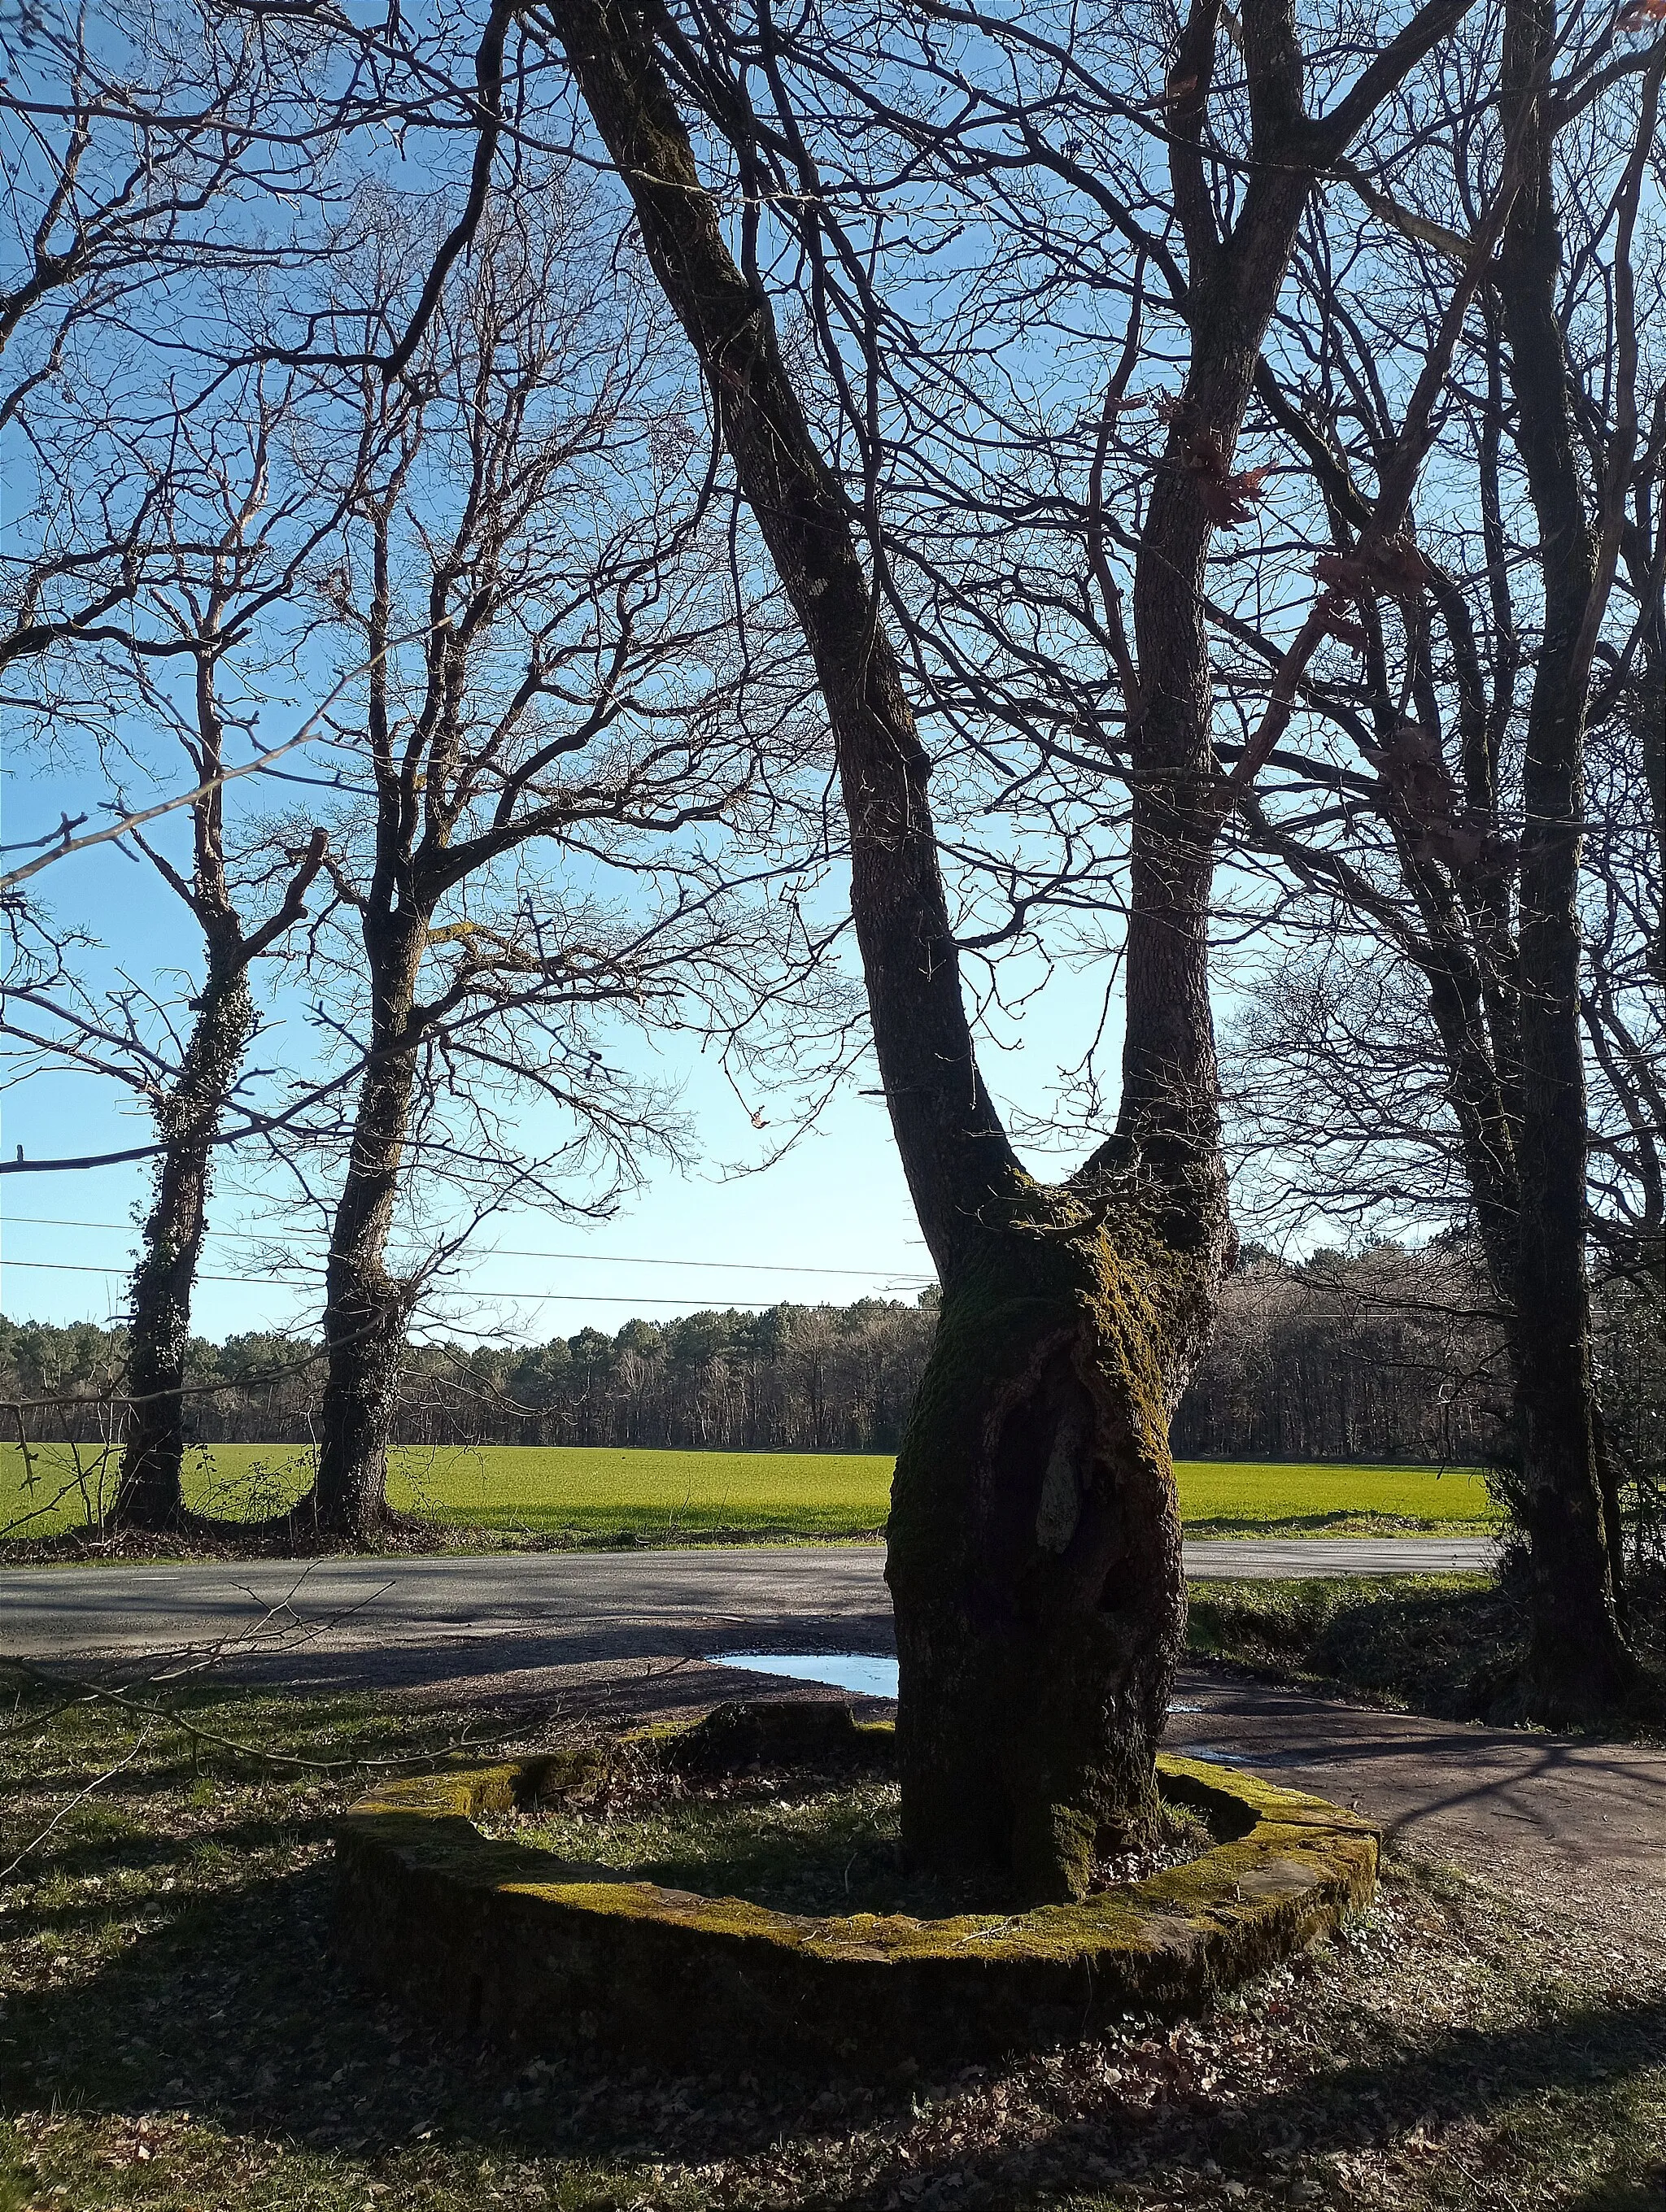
x=864, y=1674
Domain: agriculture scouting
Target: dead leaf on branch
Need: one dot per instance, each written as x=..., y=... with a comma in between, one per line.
x=1230, y=500
x=1229, y=497
x=1340, y=623
x=1639, y=14
x=1421, y=792
x=1393, y=570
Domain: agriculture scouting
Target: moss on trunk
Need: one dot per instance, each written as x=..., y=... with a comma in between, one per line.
x=366, y=1326
x=1035, y=1553
x=366, y=1307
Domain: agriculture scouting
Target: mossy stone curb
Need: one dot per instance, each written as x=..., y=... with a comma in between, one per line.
x=501, y=1939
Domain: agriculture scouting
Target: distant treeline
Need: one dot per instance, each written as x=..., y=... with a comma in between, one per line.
x=1388, y=1354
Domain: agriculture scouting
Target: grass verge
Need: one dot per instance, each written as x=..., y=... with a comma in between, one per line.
x=177, y=2037
x=1442, y=1644
x=572, y=1494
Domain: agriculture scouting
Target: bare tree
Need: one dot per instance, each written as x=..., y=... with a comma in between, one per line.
x=152, y=157
x=169, y=576
x=573, y=776
x=1444, y=811
x=211, y=624
x=157, y=163
x=1034, y=1543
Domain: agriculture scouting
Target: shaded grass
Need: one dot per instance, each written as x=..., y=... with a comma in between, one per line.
x=1442, y=1644
x=1418, y=1641
x=791, y=1843
x=177, y=2037
x=577, y=1494
x=796, y=1839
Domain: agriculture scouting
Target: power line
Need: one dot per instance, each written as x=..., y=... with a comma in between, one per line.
x=524, y=1298
x=509, y=1252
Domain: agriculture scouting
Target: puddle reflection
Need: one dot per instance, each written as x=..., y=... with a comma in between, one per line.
x=864, y=1674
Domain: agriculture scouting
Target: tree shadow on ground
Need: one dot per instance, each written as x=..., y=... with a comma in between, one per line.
x=1622, y=2193
x=229, y=2003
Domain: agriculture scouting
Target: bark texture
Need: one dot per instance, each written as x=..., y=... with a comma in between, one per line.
x=149, y=1494
x=1578, y=1660
x=366, y=1307
x=1034, y=1549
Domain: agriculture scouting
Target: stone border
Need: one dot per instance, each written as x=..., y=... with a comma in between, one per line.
x=477, y=1934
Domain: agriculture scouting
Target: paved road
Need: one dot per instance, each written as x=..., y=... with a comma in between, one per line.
x=375, y=1604
x=1526, y=1808
x=617, y=1633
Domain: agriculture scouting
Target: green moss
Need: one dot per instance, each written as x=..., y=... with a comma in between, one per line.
x=822, y=1843
x=146, y=1979
x=475, y=1929
x=1037, y=1456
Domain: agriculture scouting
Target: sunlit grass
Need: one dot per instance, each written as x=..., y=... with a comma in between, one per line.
x=601, y=1496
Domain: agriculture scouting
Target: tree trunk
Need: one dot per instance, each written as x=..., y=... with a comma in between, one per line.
x=149, y=1494
x=1578, y=1660
x=366, y=1308
x=365, y=1338
x=1034, y=1554
x=1035, y=1557
x=1614, y=1519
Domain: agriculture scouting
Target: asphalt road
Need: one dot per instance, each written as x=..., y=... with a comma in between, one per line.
x=1555, y=1816
x=621, y=1633
x=607, y=1600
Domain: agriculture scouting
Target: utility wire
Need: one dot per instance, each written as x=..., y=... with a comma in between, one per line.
x=526, y=1298
x=507, y=1252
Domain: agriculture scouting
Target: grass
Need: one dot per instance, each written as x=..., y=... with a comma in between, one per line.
x=177, y=2037
x=1442, y=1644
x=799, y=1840
x=1421, y=1642
x=798, y=1848
x=574, y=1494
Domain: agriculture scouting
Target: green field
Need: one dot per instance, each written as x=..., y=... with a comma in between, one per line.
x=596, y=1496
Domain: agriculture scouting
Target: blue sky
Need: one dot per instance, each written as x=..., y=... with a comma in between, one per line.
x=836, y=1203
x=830, y=1222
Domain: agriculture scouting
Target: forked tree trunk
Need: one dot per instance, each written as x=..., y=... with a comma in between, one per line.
x=1034, y=1554
x=149, y=1494
x=366, y=1308
x=1034, y=1543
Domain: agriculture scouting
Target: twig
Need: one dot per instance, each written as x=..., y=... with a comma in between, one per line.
x=79, y=1797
